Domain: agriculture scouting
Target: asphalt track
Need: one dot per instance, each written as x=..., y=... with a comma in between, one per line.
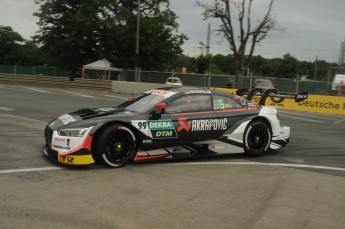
x=300, y=186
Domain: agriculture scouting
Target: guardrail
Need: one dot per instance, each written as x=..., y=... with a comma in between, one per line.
x=61, y=82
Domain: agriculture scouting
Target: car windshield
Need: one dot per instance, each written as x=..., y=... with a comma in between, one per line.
x=143, y=103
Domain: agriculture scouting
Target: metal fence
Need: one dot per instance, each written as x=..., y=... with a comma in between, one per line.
x=201, y=80
x=32, y=70
x=282, y=84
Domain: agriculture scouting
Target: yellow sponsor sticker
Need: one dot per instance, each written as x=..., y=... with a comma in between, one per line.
x=76, y=159
x=314, y=103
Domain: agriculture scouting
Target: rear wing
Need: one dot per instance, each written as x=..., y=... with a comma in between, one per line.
x=270, y=93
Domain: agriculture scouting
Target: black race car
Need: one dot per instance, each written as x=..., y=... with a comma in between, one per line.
x=167, y=123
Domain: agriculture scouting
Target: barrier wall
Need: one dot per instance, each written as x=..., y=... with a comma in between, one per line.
x=89, y=84
x=314, y=103
x=60, y=82
x=125, y=87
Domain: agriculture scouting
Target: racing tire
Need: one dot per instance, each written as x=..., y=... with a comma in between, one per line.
x=257, y=138
x=115, y=146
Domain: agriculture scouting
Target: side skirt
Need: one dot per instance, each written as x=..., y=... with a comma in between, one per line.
x=197, y=149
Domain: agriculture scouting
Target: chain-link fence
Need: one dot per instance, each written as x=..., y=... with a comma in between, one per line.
x=33, y=70
x=282, y=84
x=189, y=79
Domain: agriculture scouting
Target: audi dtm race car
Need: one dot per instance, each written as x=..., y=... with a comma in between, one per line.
x=168, y=123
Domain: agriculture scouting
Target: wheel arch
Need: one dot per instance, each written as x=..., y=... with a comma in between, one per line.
x=106, y=125
x=263, y=119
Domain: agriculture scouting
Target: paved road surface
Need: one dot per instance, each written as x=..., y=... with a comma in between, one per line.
x=222, y=192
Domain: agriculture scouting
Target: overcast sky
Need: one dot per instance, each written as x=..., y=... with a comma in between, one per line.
x=312, y=27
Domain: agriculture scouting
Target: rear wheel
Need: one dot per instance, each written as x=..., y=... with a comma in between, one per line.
x=257, y=138
x=115, y=146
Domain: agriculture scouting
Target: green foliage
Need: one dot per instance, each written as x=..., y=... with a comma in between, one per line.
x=74, y=32
x=9, y=45
x=220, y=64
x=15, y=50
x=285, y=67
x=68, y=31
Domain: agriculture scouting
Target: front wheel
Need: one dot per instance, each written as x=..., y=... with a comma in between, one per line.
x=116, y=146
x=257, y=138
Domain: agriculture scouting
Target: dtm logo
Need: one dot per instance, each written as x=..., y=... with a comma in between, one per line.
x=162, y=129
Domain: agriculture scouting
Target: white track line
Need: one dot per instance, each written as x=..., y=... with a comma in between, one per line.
x=337, y=122
x=6, y=109
x=28, y=170
x=303, y=119
x=78, y=94
x=259, y=163
x=195, y=163
x=37, y=90
x=113, y=96
x=313, y=115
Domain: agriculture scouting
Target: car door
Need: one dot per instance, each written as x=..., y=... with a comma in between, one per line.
x=193, y=117
x=227, y=108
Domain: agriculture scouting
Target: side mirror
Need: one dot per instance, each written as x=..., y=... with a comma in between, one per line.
x=156, y=114
x=161, y=106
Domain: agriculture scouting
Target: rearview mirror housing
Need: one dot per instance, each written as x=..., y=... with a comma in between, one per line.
x=161, y=106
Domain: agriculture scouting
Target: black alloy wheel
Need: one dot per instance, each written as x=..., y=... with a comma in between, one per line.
x=257, y=138
x=116, y=146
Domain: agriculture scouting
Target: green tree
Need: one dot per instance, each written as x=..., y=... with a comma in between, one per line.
x=31, y=55
x=223, y=64
x=9, y=45
x=76, y=32
x=68, y=31
x=15, y=50
x=290, y=67
x=320, y=68
x=185, y=61
x=202, y=64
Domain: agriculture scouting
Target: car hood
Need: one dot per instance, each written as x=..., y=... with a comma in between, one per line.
x=87, y=113
x=89, y=116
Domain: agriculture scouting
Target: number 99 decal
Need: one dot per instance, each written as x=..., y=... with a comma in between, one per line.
x=142, y=126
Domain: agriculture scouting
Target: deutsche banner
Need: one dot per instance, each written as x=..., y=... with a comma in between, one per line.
x=314, y=103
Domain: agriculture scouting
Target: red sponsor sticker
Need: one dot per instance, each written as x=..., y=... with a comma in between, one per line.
x=183, y=125
x=159, y=92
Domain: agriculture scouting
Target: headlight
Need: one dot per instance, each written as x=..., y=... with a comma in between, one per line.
x=76, y=132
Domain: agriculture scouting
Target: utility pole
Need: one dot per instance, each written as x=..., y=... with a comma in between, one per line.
x=315, y=67
x=137, y=59
x=342, y=53
x=208, y=39
x=201, y=47
x=207, y=45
